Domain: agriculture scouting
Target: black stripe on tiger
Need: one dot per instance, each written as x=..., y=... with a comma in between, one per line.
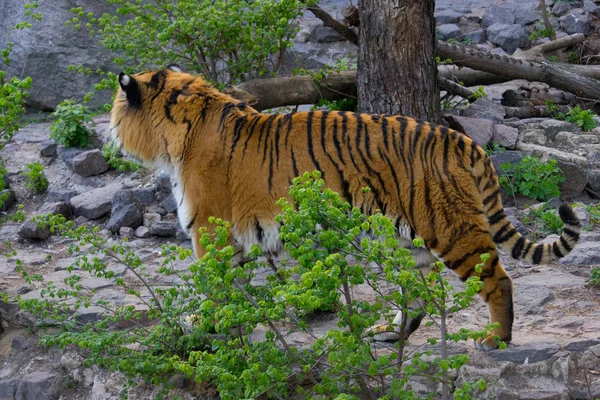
x=309, y=138
x=345, y=185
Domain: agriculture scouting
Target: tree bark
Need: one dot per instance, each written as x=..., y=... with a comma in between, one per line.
x=397, y=72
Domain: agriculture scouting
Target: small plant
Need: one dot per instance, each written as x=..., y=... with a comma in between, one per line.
x=532, y=178
x=542, y=221
x=479, y=93
x=552, y=109
x=541, y=32
x=71, y=125
x=346, y=104
x=36, y=180
x=594, y=278
x=573, y=58
x=113, y=156
x=582, y=118
x=493, y=148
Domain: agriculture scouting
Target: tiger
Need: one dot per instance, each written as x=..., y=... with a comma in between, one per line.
x=228, y=160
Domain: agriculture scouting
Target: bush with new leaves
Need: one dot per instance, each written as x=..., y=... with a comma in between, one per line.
x=208, y=326
x=532, y=178
x=71, y=126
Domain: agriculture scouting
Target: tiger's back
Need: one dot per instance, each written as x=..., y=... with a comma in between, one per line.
x=229, y=161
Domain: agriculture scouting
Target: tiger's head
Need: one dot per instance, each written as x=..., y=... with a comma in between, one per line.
x=152, y=111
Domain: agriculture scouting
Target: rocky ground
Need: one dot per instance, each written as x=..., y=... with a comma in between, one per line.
x=556, y=349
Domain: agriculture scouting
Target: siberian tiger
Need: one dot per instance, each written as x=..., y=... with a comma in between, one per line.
x=227, y=160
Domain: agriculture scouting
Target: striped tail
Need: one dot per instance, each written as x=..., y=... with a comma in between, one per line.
x=513, y=243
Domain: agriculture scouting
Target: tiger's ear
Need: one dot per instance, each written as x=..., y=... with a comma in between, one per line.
x=175, y=68
x=132, y=90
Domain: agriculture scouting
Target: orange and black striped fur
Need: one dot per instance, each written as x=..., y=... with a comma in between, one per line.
x=230, y=161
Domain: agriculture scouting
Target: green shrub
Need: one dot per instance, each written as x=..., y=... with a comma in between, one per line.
x=36, y=181
x=113, y=156
x=594, y=278
x=542, y=221
x=532, y=178
x=207, y=326
x=70, y=127
x=582, y=118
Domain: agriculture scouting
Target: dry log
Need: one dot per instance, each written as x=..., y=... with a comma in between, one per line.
x=542, y=49
x=532, y=112
x=333, y=23
x=553, y=74
x=469, y=76
x=456, y=89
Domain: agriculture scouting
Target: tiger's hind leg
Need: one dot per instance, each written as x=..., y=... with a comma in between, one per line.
x=497, y=289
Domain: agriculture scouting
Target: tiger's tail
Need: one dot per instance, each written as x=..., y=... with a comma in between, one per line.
x=509, y=239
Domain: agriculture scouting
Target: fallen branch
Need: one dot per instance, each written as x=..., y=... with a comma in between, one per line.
x=542, y=49
x=333, y=23
x=456, y=89
x=533, y=112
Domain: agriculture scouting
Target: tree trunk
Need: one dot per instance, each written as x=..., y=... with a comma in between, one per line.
x=397, y=72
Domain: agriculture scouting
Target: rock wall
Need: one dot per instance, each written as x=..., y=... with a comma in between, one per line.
x=46, y=51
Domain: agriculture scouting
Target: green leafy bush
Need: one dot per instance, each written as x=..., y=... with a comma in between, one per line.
x=532, y=178
x=70, y=127
x=582, y=118
x=542, y=221
x=211, y=325
x=36, y=181
x=113, y=156
x=594, y=278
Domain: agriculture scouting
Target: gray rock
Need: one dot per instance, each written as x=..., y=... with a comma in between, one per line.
x=486, y=109
x=150, y=218
x=576, y=22
x=23, y=342
x=144, y=195
x=526, y=14
x=531, y=298
x=95, y=203
x=581, y=345
x=508, y=37
x=477, y=36
x=55, y=195
x=498, y=15
x=533, y=351
x=164, y=228
x=169, y=204
x=583, y=254
x=594, y=180
x=576, y=178
x=30, y=230
x=57, y=208
x=163, y=182
x=156, y=209
x=10, y=199
x=45, y=51
x=447, y=16
x=8, y=388
x=590, y=7
x=126, y=232
x=90, y=163
x=325, y=34
x=505, y=136
x=142, y=232
x=448, y=31
x=81, y=220
x=478, y=129
x=513, y=157
x=125, y=211
x=535, y=136
x=39, y=385
x=68, y=154
x=48, y=148
x=561, y=8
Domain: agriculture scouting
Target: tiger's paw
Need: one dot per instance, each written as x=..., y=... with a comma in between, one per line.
x=488, y=343
x=385, y=333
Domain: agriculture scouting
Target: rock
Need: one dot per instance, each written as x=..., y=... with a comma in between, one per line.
x=447, y=16
x=156, y=209
x=576, y=178
x=126, y=232
x=531, y=298
x=533, y=351
x=486, y=109
x=68, y=154
x=39, y=385
x=144, y=195
x=535, y=136
x=150, y=218
x=10, y=199
x=30, y=230
x=576, y=22
x=55, y=195
x=169, y=204
x=590, y=7
x=594, y=180
x=526, y=14
x=126, y=211
x=583, y=254
x=164, y=228
x=8, y=388
x=507, y=37
x=95, y=203
x=478, y=129
x=142, y=232
x=81, y=220
x=45, y=51
x=513, y=157
x=90, y=163
x=561, y=8
x=497, y=15
x=23, y=342
x=163, y=182
x=57, y=208
x=325, y=34
x=48, y=148
x=505, y=136
x=448, y=31
x=477, y=36
x=581, y=345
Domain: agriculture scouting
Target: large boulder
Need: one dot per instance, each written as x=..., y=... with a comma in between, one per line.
x=45, y=52
x=576, y=21
x=498, y=15
x=509, y=37
x=125, y=212
x=480, y=130
x=448, y=31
